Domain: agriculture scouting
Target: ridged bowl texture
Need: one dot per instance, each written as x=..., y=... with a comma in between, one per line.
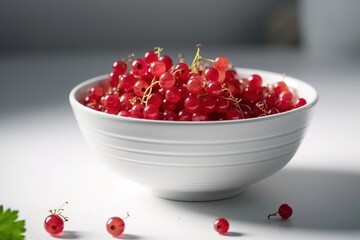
x=196, y=161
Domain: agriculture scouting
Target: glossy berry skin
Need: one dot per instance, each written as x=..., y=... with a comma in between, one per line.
x=115, y=226
x=113, y=79
x=139, y=67
x=301, y=102
x=157, y=68
x=211, y=74
x=110, y=101
x=151, y=112
x=285, y=211
x=167, y=60
x=221, y=63
x=140, y=87
x=255, y=81
x=137, y=110
x=167, y=80
x=194, y=85
x=221, y=225
x=54, y=224
x=173, y=95
x=150, y=57
x=119, y=67
x=213, y=88
x=182, y=71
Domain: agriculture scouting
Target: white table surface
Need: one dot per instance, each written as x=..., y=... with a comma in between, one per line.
x=44, y=160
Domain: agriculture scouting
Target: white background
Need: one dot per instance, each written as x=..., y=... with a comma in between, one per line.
x=44, y=161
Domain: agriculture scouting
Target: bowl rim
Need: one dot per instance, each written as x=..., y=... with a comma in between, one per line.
x=76, y=104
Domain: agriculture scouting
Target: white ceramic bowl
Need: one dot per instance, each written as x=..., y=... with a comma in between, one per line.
x=196, y=161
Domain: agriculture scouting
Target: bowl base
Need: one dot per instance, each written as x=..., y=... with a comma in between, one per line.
x=199, y=196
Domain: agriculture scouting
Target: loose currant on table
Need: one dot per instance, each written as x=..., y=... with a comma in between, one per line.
x=54, y=223
x=221, y=225
x=116, y=225
x=285, y=212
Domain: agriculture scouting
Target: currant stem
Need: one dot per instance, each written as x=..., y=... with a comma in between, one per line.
x=127, y=215
x=195, y=63
x=59, y=210
x=234, y=99
x=272, y=215
x=148, y=91
x=158, y=51
x=208, y=59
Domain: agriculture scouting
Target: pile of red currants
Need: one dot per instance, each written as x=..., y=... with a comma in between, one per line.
x=207, y=90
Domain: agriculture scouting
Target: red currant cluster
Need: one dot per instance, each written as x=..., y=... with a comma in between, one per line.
x=206, y=90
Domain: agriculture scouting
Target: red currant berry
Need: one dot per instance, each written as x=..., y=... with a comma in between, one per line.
x=284, y=106
x=222, y=76
x=221, y=225
x=211, y=74
x=119, y=67
x=301, y=102
x=113, y=79
x=234, y=114
x=89, y=100
x=252, y=95
x=170, y=115
x=273, y=111
x=140, y=87
x=167, y=80
x=139, y=67
x=208, y=104
x=272, y=99
x=137, y=110
x=124, y=113
x=127, y=82
x=246, y=110
x=110, y=101
x=286, y=96
x=155, y=99
x=151, y=112
x=194, y=85
x=222, y=105
x=173, y=95
x=230, y=75
x=260, y=108
x=182, y=71
x=157, y=68
x=150, y=57
x=199, y=116
x=116, y=226
x=167, y=60
x=255, y=81
x=184, y=116
x=54, y=223
x=213, y=88
x=285, y=211
x=125, y=100
x=221, y=63
x=280, y=87
x=96, y=92
x=167, y=105
x=191, y=103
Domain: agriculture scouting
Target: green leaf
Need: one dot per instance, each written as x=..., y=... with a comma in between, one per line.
x=10, y=227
